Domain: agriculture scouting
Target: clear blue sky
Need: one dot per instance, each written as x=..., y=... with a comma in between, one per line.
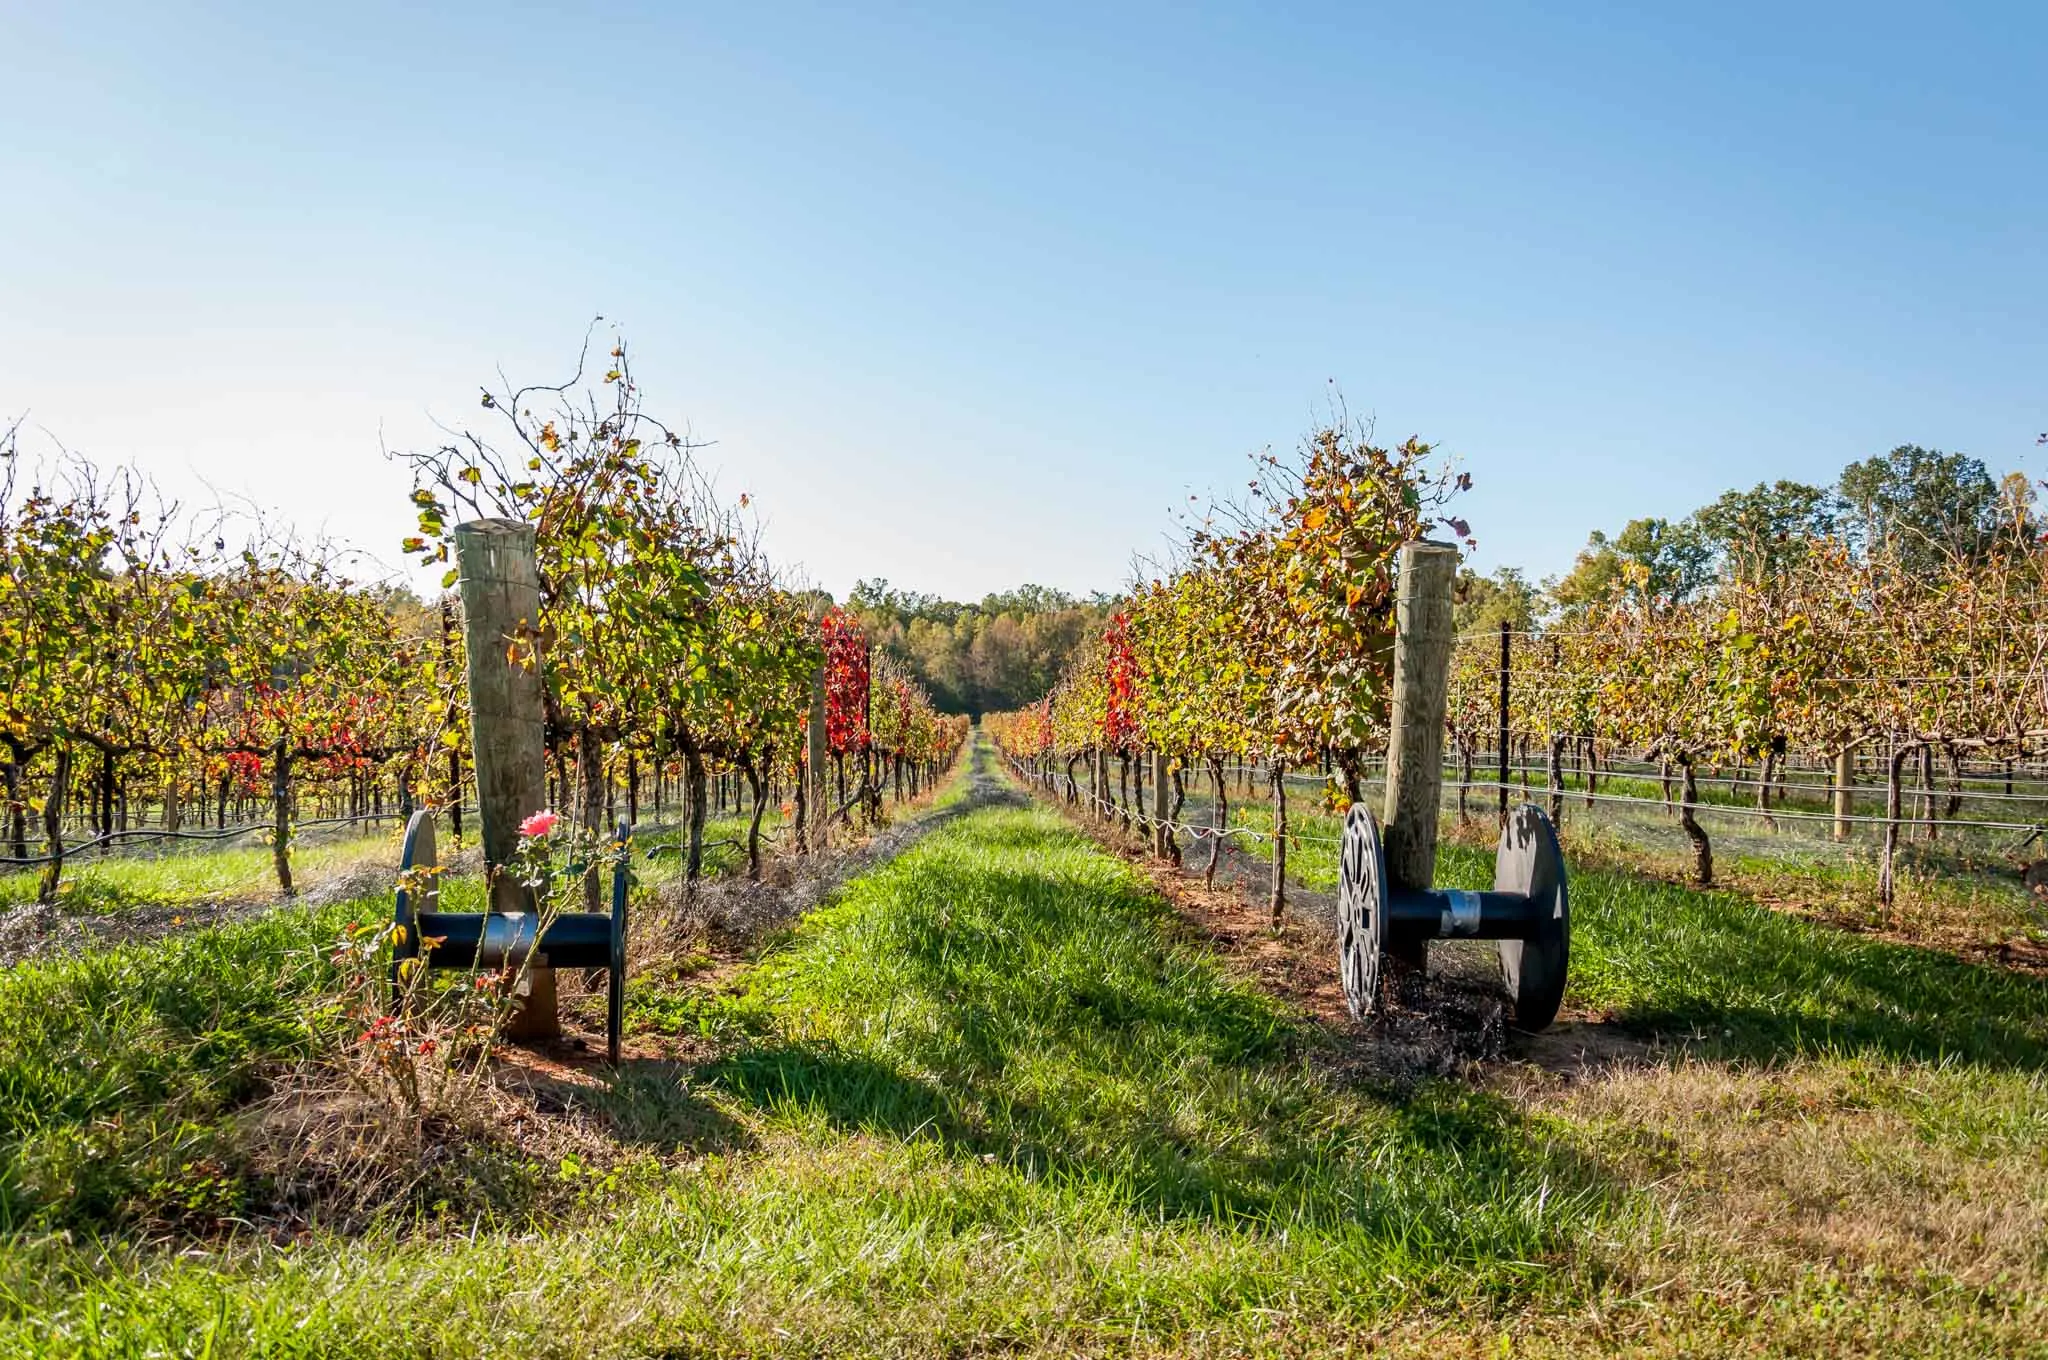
x=969, y=297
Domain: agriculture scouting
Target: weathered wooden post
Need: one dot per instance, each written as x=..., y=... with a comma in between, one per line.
x=1506, y=657
x=1160, y=831
x=1424, y=635
x=499, y=582
x=817, y=756
x=1845, y=784
x=1387, y=907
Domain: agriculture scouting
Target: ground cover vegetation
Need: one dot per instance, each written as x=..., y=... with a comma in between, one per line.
x=996, y=1088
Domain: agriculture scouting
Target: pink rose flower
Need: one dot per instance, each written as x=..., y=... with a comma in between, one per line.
x=538, y=825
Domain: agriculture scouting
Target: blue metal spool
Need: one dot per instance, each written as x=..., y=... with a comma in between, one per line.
x=496, y=939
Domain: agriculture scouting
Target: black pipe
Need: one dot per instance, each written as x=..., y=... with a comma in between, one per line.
x=1451, y=914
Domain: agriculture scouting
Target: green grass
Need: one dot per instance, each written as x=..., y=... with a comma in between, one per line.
x=1011, y=993
x=1743, y=980
x=987, y=1088
x=994, y=1098
x=1740, y=979
x=190, y=876
x=1946, y=897
x=119, y=1068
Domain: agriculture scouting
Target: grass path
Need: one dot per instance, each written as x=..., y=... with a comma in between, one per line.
x=995, y=1097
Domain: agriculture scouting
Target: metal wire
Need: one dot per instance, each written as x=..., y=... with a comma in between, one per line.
x=1717, y=809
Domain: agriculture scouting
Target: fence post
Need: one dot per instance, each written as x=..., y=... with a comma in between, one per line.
x=1423, y=635
x=1160, y=833
x=817, y=757
x=1845, y=780
x=1505, y=656
x=454, y=753
x=499, y=582
x=1278, y=902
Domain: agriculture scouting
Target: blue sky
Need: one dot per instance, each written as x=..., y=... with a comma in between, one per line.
x=968, y=297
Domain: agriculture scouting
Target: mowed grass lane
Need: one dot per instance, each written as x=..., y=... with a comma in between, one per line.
x=992, y=1098
x=988, y=1093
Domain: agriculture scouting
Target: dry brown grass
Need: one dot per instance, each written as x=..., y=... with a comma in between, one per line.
x=1801, y=1163
x=342, y=1156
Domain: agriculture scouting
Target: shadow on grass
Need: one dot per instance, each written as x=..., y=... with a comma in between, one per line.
x=853, y=1093
x=649, y=1103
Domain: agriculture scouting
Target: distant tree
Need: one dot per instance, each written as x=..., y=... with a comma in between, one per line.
x=1650, y=560
x=2016, y=516
x=1760, y=533
x=1922, y=505
x=998, y=654
x=1484, y=603
x=1027, y=599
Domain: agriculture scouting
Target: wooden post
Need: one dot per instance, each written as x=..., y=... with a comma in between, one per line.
x=1505, y=656
x=500, y=587
x=1161, y=834
x=1424, y=634
x=454, y=755
x=1278, y=899
x=1845, y=781
x=817, y=757
x=1138, y=793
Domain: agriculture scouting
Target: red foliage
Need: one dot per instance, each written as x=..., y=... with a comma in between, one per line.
x=846, y=681
x=1120, y=710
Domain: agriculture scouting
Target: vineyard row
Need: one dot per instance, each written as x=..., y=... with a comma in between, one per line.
x=157, y=675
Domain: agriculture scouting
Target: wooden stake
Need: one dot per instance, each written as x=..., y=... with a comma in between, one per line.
x=1424, y=634
x=500, y=588
x=1506, y=655
x=1161, y=834
x=817, y=757
x=1845, y=783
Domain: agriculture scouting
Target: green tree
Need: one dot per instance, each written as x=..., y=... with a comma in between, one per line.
x=1651, y=561
x=1923, y=505
x=1484, y=603
x=1767, y=530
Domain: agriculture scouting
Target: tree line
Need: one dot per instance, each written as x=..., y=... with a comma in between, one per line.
x=998, y=653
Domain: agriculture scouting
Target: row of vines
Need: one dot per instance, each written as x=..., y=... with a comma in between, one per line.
x=1851, y=661
x=1267, y=640
x=166, y=675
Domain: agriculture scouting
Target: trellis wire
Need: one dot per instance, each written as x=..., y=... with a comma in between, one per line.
x=1490, y=785
x=159, y=833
